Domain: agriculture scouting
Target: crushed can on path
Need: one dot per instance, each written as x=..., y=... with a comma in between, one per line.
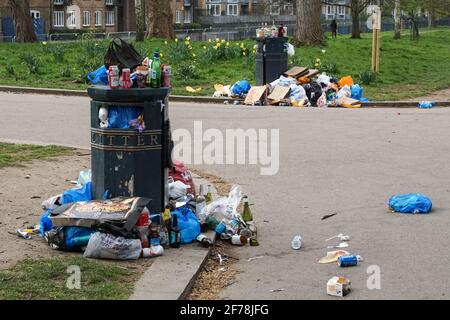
x=348, y=261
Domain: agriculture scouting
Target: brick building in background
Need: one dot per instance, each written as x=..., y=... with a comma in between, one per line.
x=62, y=15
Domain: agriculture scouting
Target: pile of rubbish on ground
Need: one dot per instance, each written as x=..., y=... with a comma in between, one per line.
x=340, y=286
x=123, y=228
x=297, y=87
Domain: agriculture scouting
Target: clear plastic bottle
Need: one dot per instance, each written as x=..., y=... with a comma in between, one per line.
x=297, y=242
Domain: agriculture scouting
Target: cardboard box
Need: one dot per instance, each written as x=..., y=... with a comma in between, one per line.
x=338, y=286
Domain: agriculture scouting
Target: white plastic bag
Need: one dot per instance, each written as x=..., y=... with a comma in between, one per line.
x=323, y=78
x=222, y=208
x=84, y=177
x=177, y=189
x=107, y=246
x=103, y=117
x=290, y=50
x=297, y=93
x=344, y=92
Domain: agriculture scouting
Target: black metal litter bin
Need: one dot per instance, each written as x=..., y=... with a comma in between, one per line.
x=271, y=59
x=126, y=162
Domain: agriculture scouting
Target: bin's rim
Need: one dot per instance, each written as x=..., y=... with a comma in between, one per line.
x=106, y=94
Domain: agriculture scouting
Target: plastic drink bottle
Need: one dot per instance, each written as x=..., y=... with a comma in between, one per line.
x=297, y=242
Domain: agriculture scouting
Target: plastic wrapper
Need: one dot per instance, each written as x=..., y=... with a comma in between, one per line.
x=222, y=208
x=107, y=246
x=84, y=177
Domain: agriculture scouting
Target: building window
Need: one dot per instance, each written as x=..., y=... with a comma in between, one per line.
x=58, y=18
x=330, y=12
x=289, y=9
x=232, y=10
x=109, y=2
x=72, y=22
x=86, y=18
x=187, y=15
x=177, y=16
x=341, y=12
x=275, y=10
x=35, y=14
x=213, y=9
x=98, y=18
x=109, y=18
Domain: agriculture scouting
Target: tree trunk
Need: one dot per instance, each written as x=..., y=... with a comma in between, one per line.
x=23, y=24
x=140, y=19
x=159, y=19
x=309, y=29
x=356, y=30
x=432, y=19
x=397, y=20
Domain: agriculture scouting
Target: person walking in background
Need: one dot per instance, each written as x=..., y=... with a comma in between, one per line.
x=334, y=27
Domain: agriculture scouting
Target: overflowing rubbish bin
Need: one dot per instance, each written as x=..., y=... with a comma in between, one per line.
x=271, y=59
x=130, y=161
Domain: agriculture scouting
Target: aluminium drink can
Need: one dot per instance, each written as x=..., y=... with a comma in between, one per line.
x=347, y=261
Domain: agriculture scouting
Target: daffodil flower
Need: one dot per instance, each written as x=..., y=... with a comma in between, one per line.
x=204, y=47
x=176, y=39
x=188, y=39
x=193, y=55
x=44, y=43
x=209, y=40
x=324, y=51
x=165, y=42
x=217, y=40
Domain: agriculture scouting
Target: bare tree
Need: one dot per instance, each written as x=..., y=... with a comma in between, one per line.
x=159, y=19
x=23, y=24
x=309, y=29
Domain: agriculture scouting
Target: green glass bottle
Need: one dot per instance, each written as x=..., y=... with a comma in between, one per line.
x=155, y=71
x=208, y=197
x=247, y=214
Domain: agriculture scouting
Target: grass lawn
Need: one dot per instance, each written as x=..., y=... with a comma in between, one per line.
x=47, y=278
x=15, y=154
x=408, y=68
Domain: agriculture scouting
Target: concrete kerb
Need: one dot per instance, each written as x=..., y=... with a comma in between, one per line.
x=172, y=276
x=196, y=99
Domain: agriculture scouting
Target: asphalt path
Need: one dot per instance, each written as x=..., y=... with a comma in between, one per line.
x=340, y=161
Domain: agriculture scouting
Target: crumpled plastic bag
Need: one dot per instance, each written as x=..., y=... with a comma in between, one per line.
x=346, y=81
x=356, y=92
x=223, y=207
x=297, y=93
x=107, y=246
x=84, y=177
x=241, y=87
x=98, y=76
x=290, y=50
x=344, y=92
x=322, y=101
x=77, y=194
x=120, y=117
x=178, y=189
x=323, y=80
x=188, y=224
x=283, y=81
x=410, y=203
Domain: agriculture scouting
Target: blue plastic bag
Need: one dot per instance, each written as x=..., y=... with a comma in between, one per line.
x=45, y=223
x=356, y=91
x=76, y=237
x=78, y=194
x=241, y=87
x=410, y=203
x=188, y=224
x=426, y=104
x=120, y=117
x=98, y=76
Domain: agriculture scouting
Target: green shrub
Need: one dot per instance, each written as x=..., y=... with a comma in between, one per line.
x=31, y=61
x=186, y=71
x=57, y=51
x=367, y=77
x=330, y=68
x=66, y=72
